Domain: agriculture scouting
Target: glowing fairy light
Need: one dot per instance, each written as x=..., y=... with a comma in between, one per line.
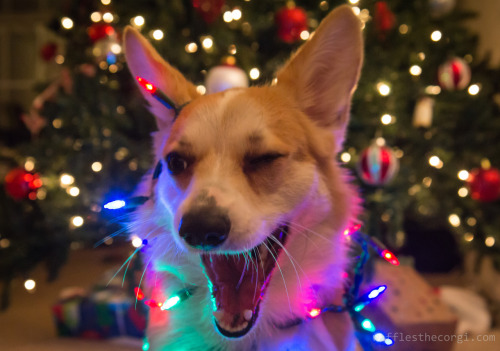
x=454, y=220
x=29, y=284
x=404, y=29
x=73, y=191
x=254, y=73
x=67, y=22
x=136, y=241
x=353, y=2
x=138, y=21
x=376, y=292
x=463, y=192
x=435, y=162
x=171, y=302
x=116, y=48
x=139, y=295
x=207, y=43
x=468, y=237
x=77, y=221
x=436, y=36
x=105, y=2
x=345, y=157
x=236, y=13
x=314, y=312
x=390, y=257
x=191, y=48
x=415, y=70
x=474, y=89
x=368, y=325
x=108, y=17
x=378, y=337
x=463, y=175
x=201, y=89
x=227, y=16
x=489, y=241
x=471, y=221
x=433, y=90
x=96, y=166
x=304, y=35
x=95, y=16
x=66, y=179
x=383, y=88
x=157, y=34
x=356, y=10
x=386, y=119
x=29, y=164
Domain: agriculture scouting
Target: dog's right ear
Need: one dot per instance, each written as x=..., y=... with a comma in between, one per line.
x=145, y=62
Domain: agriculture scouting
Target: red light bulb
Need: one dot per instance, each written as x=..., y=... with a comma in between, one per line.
x=146, y=85
x=390, y=257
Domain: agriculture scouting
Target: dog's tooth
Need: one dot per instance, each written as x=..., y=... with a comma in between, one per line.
x=247, y=314
x=241, y=327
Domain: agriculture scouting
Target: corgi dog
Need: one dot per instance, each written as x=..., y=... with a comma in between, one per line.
x=247, y=202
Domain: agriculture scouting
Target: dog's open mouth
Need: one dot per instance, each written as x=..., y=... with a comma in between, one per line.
x=238, y=283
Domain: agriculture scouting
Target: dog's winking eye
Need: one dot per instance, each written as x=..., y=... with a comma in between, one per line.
x=255, y=162
x=176, y=163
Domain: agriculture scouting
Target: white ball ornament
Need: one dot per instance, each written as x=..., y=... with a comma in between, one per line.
x=224, y=77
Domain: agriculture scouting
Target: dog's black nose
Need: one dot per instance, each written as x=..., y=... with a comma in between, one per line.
x=205, y=227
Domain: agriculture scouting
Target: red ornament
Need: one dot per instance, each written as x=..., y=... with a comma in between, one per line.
x=378, y=165
x=208, y=9
x=484, y=184
x=291, y=22
x=454, y=74
x=98, y=31
x=20, y=184
x=384, y=18
x=48, y=51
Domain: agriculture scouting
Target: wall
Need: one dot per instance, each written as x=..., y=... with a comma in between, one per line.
x=487, y=25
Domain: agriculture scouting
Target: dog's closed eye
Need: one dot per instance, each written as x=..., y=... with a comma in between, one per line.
x=255, y=162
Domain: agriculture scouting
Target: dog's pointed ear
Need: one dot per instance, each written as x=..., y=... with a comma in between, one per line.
x=145, y=62
x=322, y=75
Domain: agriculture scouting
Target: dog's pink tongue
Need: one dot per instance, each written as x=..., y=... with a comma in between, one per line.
x=237, y=285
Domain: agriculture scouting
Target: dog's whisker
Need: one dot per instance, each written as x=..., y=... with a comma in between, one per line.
x=123, y=265
x=298, y=226
x=281, y=272
x=291, y=261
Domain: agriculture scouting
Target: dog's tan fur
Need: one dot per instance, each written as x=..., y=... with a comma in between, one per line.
x=302, y=117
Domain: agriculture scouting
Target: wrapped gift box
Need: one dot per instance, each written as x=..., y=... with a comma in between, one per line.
x=104, y=313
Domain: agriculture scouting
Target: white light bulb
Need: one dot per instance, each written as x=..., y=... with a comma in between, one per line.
x=66, y=179
x=474, y=89
x=29, y=284
x=138, y=21
x=254, y=73
x=96, y=166
x=436, y=35
x=454, y=220
x=157, y=34
x=67, y=22
x=463, y=175
x=415, y=70
x=77, y=221
x=383, y=88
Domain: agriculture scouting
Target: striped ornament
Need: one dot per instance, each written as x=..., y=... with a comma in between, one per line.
x=378, y=165
x=454, y=74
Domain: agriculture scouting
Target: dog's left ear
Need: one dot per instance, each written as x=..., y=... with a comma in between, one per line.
x=145, y=62
x=323, y=74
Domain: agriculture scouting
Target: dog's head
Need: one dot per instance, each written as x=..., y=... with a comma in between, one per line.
x=248, y=183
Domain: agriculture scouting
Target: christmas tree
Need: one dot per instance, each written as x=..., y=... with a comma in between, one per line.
x=421, y=139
